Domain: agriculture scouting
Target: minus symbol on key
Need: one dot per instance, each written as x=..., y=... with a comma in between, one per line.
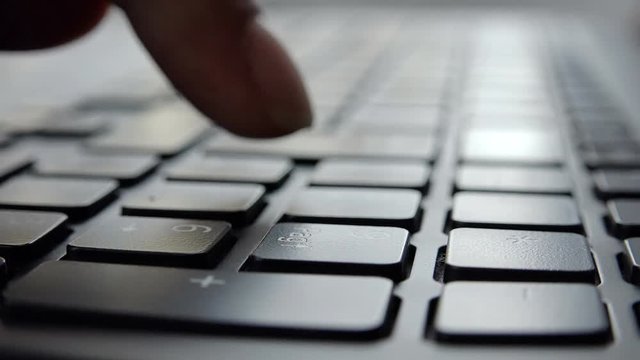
x=207, y=281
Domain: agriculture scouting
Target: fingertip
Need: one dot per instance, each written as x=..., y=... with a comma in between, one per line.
x=277, y=81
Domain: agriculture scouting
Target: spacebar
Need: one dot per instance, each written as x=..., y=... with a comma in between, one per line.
x=204, y=300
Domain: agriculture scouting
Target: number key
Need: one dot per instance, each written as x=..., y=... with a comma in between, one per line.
x=139, y=240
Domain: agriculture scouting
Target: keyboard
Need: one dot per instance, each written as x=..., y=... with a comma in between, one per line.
x=469, y=189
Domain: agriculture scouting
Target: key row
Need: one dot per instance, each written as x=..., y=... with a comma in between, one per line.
x=273, y=171
x=269, y=171
x=237, y=203
x=242, y=203
x=171, y=128
x=602, y=134
x=472, y=254
x=202, y=243
x=301, y=305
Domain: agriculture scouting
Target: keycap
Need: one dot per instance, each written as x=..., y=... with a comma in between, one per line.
x=381, y=207
x=513, y=179
x=487, y=109
x=126, y=168
x=632, y=260
x=378, y=114
x=164, y=130
x=499, y=94
x=512, y=255
x=25, y=233
x=137, y=91
x=603, y=133
x=317, y=146
x=512, y=147
x=515, y=211
x=411, y=174
x=53, y=121
x=394, y=120
x=617, y=183
x=521, y=312
x=614, y=159
x=609, y=151
x=624, y=216
x=27, y=120
x=311, y=305
x=238, y=204
x=3, y=271
x=268, y=171
x=76, y=198
x=333, y=249
x=12, y=163
x=74, y=124
x=410, y=97
x=138, y=240
x=512, y=123
x=390, y=127
x=4, y=139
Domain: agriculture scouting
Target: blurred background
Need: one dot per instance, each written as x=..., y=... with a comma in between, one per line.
x=111, y=58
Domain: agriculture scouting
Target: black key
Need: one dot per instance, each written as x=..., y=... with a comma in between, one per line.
x=616, y=159
x=489, y=109
x=126, y=168
x=4, y=139
x=316, y=146
x=512, y=147
x=239, y=204
x=512, y=255
x=312, y=305
x=632, y=260
x=13, y=162
x=76, y=198
x=165, y=130
x=333, y=249
x=515, y=211
x=74, y=124
x=134, y=92
x=405, y=115
x=521, y=312
x=612, y=183
x=25, y=233
x=4, y=272
x=497, y=122
x=513, y=179
x=394, y=120
x=381, y=207
x=586, y=116
x=27, y=120
x=372, y=173
x=54, y=122
x=390, y=127
x=409, y=97
x=624, y=216
x=137, y=240
x=615, y=149
x=498, y=94
x=604, y=137
x=268, y=171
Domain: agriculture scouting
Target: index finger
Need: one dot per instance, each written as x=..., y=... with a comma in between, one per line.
x=224, y=62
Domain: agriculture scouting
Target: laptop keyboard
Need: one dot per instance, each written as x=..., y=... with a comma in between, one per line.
x=463, y=182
